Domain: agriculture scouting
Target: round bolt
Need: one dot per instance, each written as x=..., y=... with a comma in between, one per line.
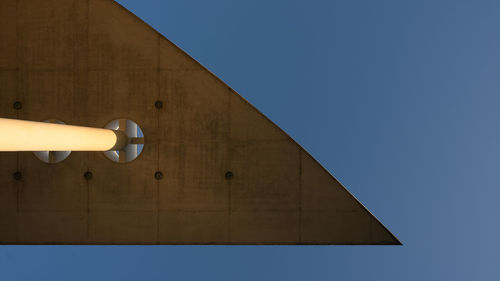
x=88, y=175
x=18, y=105
x=158, y=175
x=18, y=176
x=229, y=175
x=159, y=104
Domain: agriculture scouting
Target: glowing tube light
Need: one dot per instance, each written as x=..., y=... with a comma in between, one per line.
x=20, y=135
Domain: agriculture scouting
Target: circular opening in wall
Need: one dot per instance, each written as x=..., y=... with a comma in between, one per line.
x=135, y=141
x=52, y=157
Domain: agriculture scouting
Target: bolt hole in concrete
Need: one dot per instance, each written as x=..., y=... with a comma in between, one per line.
x=135, y=143
x=17, y=176
x=88, y=175
x=159, y=104
x=52, y=157
x=18, y=105
x=158, y=175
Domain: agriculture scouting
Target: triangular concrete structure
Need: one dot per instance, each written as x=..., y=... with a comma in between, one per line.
x=230, y=176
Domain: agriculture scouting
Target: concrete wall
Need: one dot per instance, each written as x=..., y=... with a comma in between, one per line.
x=87, y=62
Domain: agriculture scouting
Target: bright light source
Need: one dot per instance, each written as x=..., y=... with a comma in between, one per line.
x=20, y=135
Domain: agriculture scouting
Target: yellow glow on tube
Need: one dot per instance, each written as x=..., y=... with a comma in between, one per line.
x=20, y=135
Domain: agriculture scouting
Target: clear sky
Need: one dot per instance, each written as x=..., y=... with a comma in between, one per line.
x=398, y=99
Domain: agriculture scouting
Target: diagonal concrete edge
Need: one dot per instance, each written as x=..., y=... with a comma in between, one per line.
x=375, y=233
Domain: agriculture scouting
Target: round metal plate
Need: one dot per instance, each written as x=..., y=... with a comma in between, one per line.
x=52, y=157
x=135, y=144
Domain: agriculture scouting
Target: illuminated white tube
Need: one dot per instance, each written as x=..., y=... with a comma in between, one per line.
x=20, y=135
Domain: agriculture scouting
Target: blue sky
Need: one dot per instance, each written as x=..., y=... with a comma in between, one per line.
x=398, y=99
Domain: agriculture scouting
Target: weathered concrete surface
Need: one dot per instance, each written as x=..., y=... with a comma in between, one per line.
x=87, y=62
